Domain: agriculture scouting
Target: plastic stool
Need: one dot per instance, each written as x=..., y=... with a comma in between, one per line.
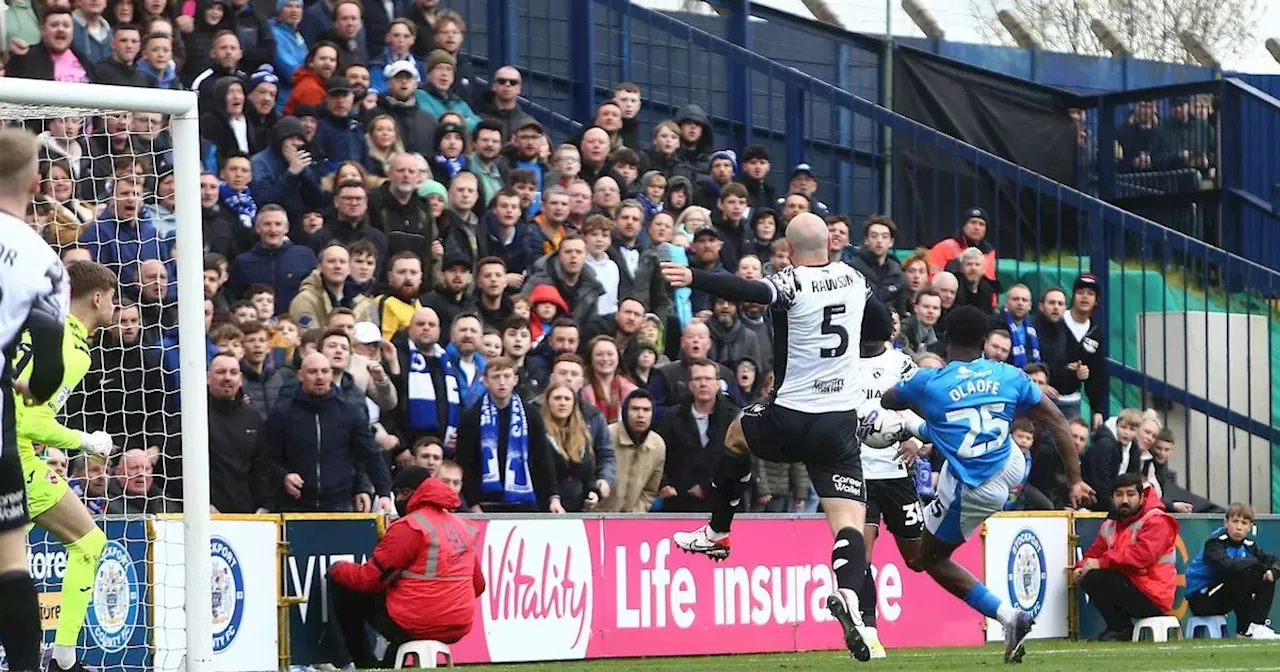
x=1214, y=627
x=427, y=651
x=1159, y=627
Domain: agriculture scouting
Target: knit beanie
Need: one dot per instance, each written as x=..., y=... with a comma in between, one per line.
x=438, y=57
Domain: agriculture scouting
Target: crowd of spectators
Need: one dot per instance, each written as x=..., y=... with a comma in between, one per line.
x=401, y=268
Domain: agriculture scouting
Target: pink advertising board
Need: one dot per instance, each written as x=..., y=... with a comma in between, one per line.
x=564, y=589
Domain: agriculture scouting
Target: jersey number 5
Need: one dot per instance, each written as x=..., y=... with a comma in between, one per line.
x=828, y=314
x=986, y=431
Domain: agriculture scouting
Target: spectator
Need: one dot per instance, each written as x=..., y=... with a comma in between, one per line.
x=263, y=92
x=523, y=153
x=340, y=137
x=669, y=384
x=310, y=80
x=395, y=309
x=349, y=221
x=875, y=261
x=707, y=243
x=492, y=302
x=515, y=346
x=724, y=164
x=427, y=385
x=290, y=46
x=49, y=59
x=570, y=369
x=731, y=341
x=423, y=13
x=570, y=438
x=88, y=479
x=274, y=260
x=567, y=272
x=234, y=187
x=237, y=474
x=222, y=60
x=439, y=95
x=997, y=346
x=399, y=79
x=508, y=238
x=427, y=453
x=316, y=432
x=285, y=172
x=1176, y=498
x=637, y=262
x=1113, y=452
x=93, y=33
x=120, y=239
x=451, y=297
x=973, y=233
x=1129, y=572
x=120, y=67
x=641, y=456
x=348, y=34
x=133, y=491
x=501, y=102
x=504, y=451
x=920, y=331
x=448, y=33
x=224, y=126
x=755, y=177
x=1088, y=334
x=562, y=338
x=396, y=210
x=399, y=36
x=694, y=433
x=468, y=364
x=260, y=380
x=609, y=385
x=433, y=558
x=256, y=38
x=1142, y=140
x=1189, y=140
x=224, y=234
x=977, y=290
x=484, y=161
x=1233, y=573
x=696, y=141
x=460, y=229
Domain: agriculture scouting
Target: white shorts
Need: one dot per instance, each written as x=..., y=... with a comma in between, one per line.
x=959, y=510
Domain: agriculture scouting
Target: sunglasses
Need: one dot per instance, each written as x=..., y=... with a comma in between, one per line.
x=507, y=82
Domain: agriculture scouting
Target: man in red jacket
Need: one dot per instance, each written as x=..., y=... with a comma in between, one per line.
x=1129, y=571
x=421, y=583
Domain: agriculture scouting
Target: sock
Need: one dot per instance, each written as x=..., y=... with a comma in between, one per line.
x=986, y=603
x=849, y=559
x=64, y=656
x=733, y=473
x=20, y=621
x=77, y=588
x=867, y=599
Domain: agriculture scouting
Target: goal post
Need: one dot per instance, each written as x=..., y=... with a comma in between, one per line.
x=38, y=99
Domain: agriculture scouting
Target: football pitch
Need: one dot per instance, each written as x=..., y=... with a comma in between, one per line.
x=1187, y=656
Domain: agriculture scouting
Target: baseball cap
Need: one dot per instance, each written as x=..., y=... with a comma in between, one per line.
x=1086, y=281
x=368, y=333
x=337, y=84
x=707, y=229
x=395, y=68
x=802, y=168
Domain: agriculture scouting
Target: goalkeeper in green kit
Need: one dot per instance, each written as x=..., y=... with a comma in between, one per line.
x=53, y=505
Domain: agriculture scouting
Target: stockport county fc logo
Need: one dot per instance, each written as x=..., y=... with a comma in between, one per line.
x=228, y=593
x=1028, y=571
x=113, y=612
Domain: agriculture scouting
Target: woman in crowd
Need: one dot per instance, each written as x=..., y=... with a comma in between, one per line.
x=571, y=439
x=608, y=386
x=384, y=142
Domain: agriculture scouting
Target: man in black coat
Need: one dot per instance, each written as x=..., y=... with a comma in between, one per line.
x=669, y=383
x=238, y=480
x=316, y=443
x=694, y=433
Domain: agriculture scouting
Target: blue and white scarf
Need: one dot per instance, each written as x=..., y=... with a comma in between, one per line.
x=1026, y=341
x=452, y=166
x=511, y=482
x=424, y=414
x=239, y=202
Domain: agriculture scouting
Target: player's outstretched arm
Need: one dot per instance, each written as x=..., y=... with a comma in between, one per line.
x=1046, y=414
x=723, y=285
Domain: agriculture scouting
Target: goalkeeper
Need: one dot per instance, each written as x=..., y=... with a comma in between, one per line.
x=53, y=505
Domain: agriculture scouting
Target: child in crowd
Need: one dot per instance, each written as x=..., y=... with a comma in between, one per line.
x=229, y=338
x=263, y=298
x=285, y=338
x=764, y=229
x=1232, y=573
x=547, y=307
x=490, y=343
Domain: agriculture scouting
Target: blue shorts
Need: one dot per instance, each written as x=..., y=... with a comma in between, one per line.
x=959, y=510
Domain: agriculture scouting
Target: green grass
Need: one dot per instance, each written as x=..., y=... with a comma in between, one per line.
x=1200, y=655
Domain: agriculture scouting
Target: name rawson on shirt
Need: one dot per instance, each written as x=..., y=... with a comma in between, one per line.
x=828, y=284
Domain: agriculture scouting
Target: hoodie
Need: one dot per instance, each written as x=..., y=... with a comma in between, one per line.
x=272, y=181
x=1102, y=462
x=697, y=156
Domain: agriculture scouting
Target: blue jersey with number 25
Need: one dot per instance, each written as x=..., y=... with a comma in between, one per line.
x=967, y=407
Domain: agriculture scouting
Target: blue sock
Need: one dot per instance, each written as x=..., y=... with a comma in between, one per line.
x=983, y=600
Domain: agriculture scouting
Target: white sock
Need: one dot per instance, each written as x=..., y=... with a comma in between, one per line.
x=65, y=656
x=715, y=536
x=1006, y=614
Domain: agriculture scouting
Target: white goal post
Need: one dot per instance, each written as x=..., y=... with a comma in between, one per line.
x=47, y=99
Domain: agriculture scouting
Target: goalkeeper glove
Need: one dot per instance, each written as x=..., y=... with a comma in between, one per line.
x=98, y=444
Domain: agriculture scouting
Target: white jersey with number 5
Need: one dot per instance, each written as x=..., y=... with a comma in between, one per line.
x=30, y=274
x=817, y=325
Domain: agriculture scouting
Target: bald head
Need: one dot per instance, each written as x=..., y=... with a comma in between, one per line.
x=424, y=329
x=695, y=341
x=316, y=374
x=946, y=285
x=807, y=234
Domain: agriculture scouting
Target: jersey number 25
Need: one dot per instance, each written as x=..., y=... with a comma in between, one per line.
x=986, y=431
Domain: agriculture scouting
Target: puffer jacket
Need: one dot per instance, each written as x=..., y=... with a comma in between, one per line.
x=427, y=557
x=313, y=303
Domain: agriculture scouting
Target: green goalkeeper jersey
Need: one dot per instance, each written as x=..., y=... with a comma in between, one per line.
x=39, y=424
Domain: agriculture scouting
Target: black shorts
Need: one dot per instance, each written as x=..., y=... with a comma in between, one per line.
x=826, y=443
x=13, y=491
x=895, y=500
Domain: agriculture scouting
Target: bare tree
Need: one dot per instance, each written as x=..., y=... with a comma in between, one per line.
x=1149, y=27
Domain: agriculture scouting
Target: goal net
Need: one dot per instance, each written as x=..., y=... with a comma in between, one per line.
x=120, y=185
